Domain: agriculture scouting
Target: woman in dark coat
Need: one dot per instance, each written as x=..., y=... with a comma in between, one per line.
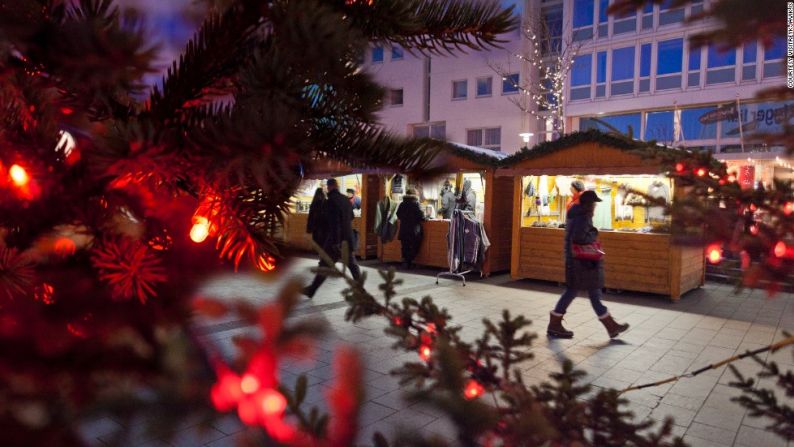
x=411, y=217
x=316, y=222
x=582, y=274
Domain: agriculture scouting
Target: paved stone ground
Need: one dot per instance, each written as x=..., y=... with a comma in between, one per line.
x=665, y=338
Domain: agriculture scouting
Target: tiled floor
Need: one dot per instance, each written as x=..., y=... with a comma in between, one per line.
x=665, y=338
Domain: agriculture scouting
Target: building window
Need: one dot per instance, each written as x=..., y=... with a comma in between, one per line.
x=583, y=19
x=625, y=124
x=721, y=65
x=488, y=138
x=692, y=127
x=668, y=14
x=625, y=23
x=551, y=41
x=437, y=131
x=396, y=97
x=603, y=18
x=460, y=89
x=647, y=16
x=749, y=60
x=773, y=58
x=622, y=71
x=693, y=66
x=510, y=84
x=397, y=53
x=645, y=67
x=484, y=86
x=581, y=73
x=377, y=55
x=601, y=74
x=659, y=126
x=669, y=58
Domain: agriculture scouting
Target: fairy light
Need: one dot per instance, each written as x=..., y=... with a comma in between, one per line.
x=780, y=249
x=701, y=172
x=473, y=389
x=18, y=175
x=425, y=352
x=714, y=253
x=272, y=402
x=788, y=208
x=200, y=229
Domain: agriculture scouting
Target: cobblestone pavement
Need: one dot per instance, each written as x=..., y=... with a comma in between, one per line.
x=665, y=338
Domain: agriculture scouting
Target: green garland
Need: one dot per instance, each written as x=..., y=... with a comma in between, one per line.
x=486, y=160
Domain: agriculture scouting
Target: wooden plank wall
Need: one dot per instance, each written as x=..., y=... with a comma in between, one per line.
x=433, y=251
x=499, y=223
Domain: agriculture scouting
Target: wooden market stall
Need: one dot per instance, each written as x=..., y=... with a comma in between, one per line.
x=458, y=163
x=367, y=187
x=640, y=254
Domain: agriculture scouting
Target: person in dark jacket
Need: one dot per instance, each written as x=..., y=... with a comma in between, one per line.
x=315, y=223
x=582, y=274
x=339, y=229
x=447, y=200
x=411, y=217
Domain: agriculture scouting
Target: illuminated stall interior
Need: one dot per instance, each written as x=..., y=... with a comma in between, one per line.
x=634, y=233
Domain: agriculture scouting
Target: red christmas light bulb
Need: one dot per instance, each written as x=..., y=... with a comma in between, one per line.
x=753, y=208
x=679, y=167
x=780, y=249
x=701, y=172
x=272, y=402
x=473, y=389
x=431, y=328
x=732, y=178
x=200, y=230
x=425, y=352
x=249, y=384
x=714, y=253
x=788, y=208
x=18, y=175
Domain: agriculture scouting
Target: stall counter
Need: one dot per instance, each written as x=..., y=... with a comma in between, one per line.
x=433, y=250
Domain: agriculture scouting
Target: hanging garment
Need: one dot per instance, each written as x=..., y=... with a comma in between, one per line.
x=602, y=218
x=529, y=191
x=564, y=185
x=386, y=219
x=543, y=194
x=466, y=242
x=658, y=190
x=398, y=184
x=623, y=212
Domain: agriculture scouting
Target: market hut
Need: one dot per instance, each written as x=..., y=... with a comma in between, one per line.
x=457, y=164
x=634, y=233
x=366, y=184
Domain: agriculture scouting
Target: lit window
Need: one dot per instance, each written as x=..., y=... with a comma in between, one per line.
x=670, y=54
x=459, y=89
x=377, y=55
x=510, y=84
x=485, y=86
x=397, y=53
x=396, y=97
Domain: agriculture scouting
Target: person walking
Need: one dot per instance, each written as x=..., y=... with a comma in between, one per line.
x=577, y=188
x=316, y=221
x=339, y=229
x=580, y=273
x=411, y=217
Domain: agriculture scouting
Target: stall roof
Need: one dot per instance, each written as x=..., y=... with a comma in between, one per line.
x=588, y=152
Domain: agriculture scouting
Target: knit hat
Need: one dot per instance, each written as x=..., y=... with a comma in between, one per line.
x=589, y=197
x=410, y=192
x=578, y=185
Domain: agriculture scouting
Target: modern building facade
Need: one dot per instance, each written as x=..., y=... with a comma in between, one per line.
x=636, y=73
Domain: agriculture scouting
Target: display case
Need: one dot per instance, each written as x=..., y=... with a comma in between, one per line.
x=633, y=230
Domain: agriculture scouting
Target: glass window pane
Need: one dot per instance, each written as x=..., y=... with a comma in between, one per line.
x=601, y=67
x=421, y=131
x=765, y=117
x=693, y=128
x=719, y=58
x=459, y=89
x=474, y=137
x=670, y=54
x=552, y=20
x=776, y=51
x=645, y=60
x=621, y=123
x=510, y=83
x=625, y=26
x=582, y=13
x=623, y=64
x=694, y=58
x=493, y=136
x=603, y=5
x=750, y=52
x=396, y=53
x=648, y=8
x=659, y=126
x=377, y=54
x=581, y=70
x=665, y=5
x=484, y=86
x=438, y=131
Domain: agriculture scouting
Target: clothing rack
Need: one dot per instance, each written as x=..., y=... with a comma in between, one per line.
x=453, y=272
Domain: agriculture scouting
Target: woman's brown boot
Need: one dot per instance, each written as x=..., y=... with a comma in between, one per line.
x=556, y=328
x=613, y=327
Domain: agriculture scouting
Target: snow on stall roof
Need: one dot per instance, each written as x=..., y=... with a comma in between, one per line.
x=479, y=150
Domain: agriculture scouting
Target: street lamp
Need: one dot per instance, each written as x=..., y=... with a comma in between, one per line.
x=525, y=136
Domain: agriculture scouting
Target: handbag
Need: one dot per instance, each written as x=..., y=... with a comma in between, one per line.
x=588, y=252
